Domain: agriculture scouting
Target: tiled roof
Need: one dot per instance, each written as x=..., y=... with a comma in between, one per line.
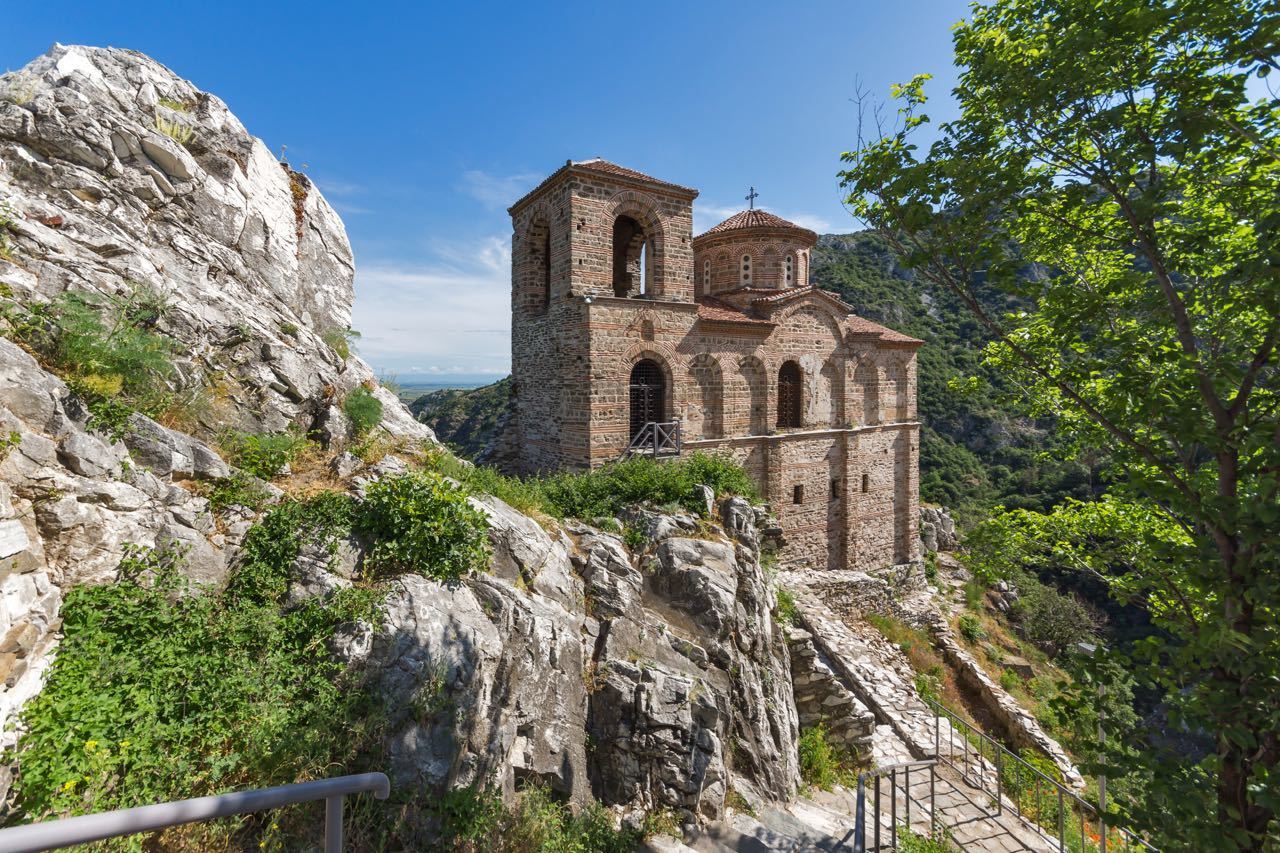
x=862, y=326
x=753, y=219
x=604, y=167
x=596, y=164
x=713, y=309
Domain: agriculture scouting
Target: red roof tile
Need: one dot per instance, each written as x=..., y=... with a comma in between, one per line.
x=722, y=312
x=862, y=326
x=604, y=167
x=598, y=165
x=754, y=219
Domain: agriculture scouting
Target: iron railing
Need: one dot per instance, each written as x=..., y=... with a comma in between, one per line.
x=891, y=771
x=53, y=834
x=659, y=440
x=1035, y=797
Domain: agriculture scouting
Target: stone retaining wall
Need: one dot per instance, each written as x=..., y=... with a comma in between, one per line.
x=821, y=698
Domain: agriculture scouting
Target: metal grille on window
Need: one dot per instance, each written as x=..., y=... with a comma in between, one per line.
x=789, y=395
x=648, y=396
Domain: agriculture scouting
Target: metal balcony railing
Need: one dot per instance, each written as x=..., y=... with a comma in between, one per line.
x=53, y=834
x=659, y=440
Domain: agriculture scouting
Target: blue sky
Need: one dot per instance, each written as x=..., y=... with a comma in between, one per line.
x=422, y=122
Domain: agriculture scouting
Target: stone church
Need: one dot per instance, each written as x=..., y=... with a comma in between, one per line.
x=632, y=335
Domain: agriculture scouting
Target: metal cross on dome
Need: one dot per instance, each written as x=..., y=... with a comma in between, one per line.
x=751, y=198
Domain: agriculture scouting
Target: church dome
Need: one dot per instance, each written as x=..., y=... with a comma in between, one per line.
x=754, y=220
x=752, y=250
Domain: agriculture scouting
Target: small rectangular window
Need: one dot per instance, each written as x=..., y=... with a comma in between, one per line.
x=797, y=494
x=866, y=482
x=835, y=488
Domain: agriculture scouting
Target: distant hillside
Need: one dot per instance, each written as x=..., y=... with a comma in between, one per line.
x=973, y=453
x=464, y=419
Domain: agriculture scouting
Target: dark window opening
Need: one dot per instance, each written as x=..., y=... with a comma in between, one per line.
x=866, y=482
x=789, y=395
x=630, y=257
x=835, y=488
x=797, y=494
x=648, y=395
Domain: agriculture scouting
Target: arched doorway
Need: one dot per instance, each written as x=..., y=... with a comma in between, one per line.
x=648, y=395
x=789, y=395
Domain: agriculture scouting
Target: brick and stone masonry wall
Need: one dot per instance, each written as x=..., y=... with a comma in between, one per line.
x=822, y=699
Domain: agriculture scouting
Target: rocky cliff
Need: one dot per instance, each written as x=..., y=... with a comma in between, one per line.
x=117, y=174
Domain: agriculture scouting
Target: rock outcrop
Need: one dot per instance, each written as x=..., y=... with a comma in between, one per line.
x=116, y=174
x=645, y=681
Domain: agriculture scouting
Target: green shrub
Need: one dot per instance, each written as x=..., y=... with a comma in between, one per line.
x=179, y=130
x=237, y=490
x=423, y=523
x=971, y=628
x=786, y=606
x=823, y=764
x=339, y=340
x=606, y=491
x=1050, y=619
x=1009, y=680
x=261, y=454
x=475, y=819
x=364, y=410
x=161, y=692
x=107, y=350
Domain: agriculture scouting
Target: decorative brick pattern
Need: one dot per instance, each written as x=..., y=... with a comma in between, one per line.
x=583, y=314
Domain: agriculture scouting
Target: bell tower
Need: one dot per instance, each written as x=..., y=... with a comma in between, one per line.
x=592, y=235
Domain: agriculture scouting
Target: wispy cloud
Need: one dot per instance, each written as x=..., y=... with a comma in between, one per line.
x=496, y=192
x=448, y=316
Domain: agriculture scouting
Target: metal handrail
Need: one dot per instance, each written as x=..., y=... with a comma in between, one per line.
x=65, y=832
x=1002, y=758
x=891, y=770
x=657, y=439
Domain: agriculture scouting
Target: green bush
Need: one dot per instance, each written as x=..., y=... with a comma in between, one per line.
x=162, y=692
x=475, y=819
x=107, y=350
x=1050, y=619
x=606, y=491
x=364, y=410
x=971, y=628
x=261, y=454
x=786, y=606
x=339, y=340
x=822, y=763
x=423, y=523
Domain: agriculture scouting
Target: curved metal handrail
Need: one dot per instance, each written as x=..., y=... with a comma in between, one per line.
x=52, y=834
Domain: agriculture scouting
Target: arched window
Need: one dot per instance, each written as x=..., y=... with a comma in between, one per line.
x=789, y=271
x=630, y=250
x=789, y=395
x=746, y=270
x=706, y=278
x=648, y=395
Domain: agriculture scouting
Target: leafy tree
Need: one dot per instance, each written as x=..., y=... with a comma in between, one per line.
x=1117, y=148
